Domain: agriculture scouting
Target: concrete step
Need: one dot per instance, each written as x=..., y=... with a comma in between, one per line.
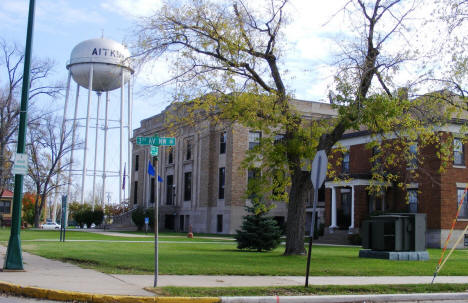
x=336, y=237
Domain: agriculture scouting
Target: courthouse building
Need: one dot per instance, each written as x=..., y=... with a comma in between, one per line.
x=203, y=183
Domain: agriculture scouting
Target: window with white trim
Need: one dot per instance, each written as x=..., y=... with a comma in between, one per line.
x=413, y=200
x=254, y=139
x=413, y=156
x=345, y=163
x=222, y=142
x=458, y=152
x=462, y=198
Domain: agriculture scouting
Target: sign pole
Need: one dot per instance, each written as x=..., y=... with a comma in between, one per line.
x=13, y=258
x=155, y=142
x=156, y=265
x=317, y=175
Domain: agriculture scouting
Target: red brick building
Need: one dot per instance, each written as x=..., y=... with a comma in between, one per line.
x=6, y=206
x=348, y=200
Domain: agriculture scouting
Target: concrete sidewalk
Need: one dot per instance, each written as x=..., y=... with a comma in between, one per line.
x=47, y=274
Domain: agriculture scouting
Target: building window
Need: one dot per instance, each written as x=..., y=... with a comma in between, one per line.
x=279, y=138
x=170, y=190
x=413, y=156
x=458, y=152
x=219, y=224
x=188, y=149
x=413, y=200
x=152, y=191
x=170, y=155
x=253, y=173
x=181, y=223
x=137, y=162
x=464, y=208
x=188, y=186
x=345, y=163
x=5, y=207
x=222, y=142
x=135, y=192
x=221, y=182
x=254, y=139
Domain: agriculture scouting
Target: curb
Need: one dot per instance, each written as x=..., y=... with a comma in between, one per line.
x=61, y=295
x=424, y=297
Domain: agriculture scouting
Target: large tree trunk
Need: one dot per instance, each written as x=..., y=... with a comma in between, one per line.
x=295, y=225
x=37, y=213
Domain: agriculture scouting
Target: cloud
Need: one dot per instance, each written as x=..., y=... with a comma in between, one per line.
x=62, y=12
x=132, y=8
x=12, y=13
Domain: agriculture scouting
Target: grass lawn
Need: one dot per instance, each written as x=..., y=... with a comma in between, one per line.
x=180, y=255
x=311, y=290
x=40, y=235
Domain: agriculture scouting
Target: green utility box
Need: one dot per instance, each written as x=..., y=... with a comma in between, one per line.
x=395, y=232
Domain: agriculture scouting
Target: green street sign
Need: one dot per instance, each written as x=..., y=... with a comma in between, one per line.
x=155, y=141
x=154, y=150
x=170, y=141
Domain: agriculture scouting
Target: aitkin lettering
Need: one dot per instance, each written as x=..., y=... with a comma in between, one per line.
x=107, y=52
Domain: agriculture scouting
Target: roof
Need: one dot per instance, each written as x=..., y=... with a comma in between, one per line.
x=7, y=193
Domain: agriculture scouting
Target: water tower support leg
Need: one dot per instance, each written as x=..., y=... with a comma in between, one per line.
x=106, y=126
x=96, y=149
x=121, y=132
x=85, y=152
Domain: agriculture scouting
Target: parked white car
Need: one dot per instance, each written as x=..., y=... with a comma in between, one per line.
x=50, y=225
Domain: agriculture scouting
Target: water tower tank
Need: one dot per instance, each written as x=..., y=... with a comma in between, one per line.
x=108, y=58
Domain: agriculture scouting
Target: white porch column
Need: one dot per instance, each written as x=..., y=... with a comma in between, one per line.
x=351, y=227
x=333, y=209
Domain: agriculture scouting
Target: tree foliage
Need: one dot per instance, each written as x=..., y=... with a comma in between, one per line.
x=28, y=203
x=11, y=78
x=49, y=143
x=228, y=67
x=138, y=217
x=258, y=231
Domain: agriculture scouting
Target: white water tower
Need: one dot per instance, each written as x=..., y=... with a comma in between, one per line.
x=101, y=65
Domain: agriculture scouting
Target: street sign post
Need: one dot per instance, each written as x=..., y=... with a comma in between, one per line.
x=63, y=222
x=317, y=176
x=155, y=141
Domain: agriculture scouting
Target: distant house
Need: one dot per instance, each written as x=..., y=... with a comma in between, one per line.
x=6, y=206
x=435, y=193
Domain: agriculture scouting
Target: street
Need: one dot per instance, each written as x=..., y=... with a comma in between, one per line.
x=10, y=299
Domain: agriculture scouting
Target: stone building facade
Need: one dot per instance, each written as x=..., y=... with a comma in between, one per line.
x=203, y=184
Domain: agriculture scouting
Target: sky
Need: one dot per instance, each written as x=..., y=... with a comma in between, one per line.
x=62, y=24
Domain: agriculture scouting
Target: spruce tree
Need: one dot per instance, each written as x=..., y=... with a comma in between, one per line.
x=258, y=231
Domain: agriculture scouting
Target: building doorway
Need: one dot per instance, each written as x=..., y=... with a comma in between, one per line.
x=169, y=222
x=344, y=211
